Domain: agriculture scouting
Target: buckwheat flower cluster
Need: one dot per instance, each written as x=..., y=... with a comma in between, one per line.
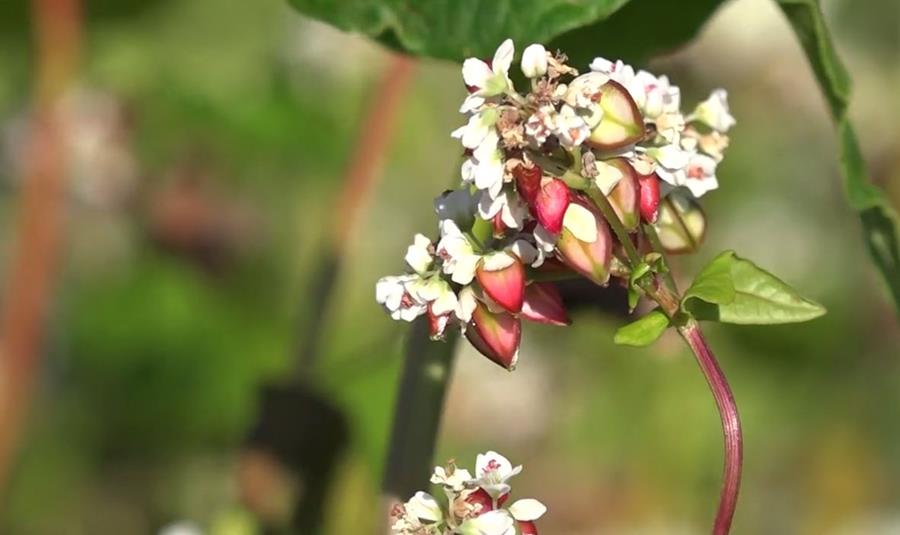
x=526, y=210
x=471, y=505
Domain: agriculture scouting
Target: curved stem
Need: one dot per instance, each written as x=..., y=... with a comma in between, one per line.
x=731, y=424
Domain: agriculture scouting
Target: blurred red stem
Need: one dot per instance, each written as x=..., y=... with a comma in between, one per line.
x=731, y=424
x=35, y=257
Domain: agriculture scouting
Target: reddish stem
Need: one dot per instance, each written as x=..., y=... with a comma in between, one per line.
x=38, y=236
x=731, y=424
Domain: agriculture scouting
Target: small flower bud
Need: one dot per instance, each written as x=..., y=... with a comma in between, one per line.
x=495, y=336
x=550, y=204
x=590, y=258
x=534, y=61
x=622, y=123
x=527, y=528
x=502, y=277
x=649, y=186
x=682, y=224
x=544, y=304
x=624, y=196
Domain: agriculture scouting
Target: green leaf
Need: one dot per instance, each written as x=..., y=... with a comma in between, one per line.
x=714, y=284
x=459, y=29
x=879, y=220
x=756, y=296
x=644, y=331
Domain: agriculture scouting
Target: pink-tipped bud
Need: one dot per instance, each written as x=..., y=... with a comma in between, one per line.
x=480, y=498
x=550, y=203
x=624, y=196
x=589, y=258
x=527, y=527
x=544, y=304
x=502, y=277
x=649, y=186
x=496, y=336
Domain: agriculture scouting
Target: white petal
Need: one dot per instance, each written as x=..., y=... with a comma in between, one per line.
x=581, y=223
x=527, y=510
x=424, y=507
x=534, y=61
x=503, y=57
x=497, y=522
x=526, y=252
x=492, y=461
x=476, y=72
x=471, y=103
x=465, y=307
x=418, y=256
x=464, y=270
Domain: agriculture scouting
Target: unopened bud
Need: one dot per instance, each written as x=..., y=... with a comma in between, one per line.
x=495, y=335
x=502, y=277
x=682, y=224
x=544, y=304
x=622, y=123
x=649, y=186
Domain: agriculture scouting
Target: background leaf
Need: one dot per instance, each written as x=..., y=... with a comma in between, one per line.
x=879, y=219
x=643, y=331
x=473, y=28
x=759, y=298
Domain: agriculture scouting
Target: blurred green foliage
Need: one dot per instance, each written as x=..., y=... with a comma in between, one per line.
x=157, y=349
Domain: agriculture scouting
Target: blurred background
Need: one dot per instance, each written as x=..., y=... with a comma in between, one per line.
x=181, y=372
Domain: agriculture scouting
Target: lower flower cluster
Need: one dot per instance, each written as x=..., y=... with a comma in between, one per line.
x=474, y=505
x=539, y=170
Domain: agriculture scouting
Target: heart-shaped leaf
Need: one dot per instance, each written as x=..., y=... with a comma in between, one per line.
x=644, y=331
x=731, y=289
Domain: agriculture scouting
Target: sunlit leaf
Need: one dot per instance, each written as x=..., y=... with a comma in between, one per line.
x=734, y=290
x=643, y=331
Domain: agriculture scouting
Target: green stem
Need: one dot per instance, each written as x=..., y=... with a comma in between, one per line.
x=417, y=412
x=656, y=244
x=634, y=258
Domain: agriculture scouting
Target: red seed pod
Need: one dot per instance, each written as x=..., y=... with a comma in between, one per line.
x=495, y=336
x=506, y=286
x=591, y=259
x=550, y=204
x=649, y=186
x=544, y=304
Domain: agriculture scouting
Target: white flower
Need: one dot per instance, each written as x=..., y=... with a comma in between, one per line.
x=497, y=522
x=714, y=111
x=540, y=125
x=466, y=306
x=393, y=293
x=454, y=480
x=617, y=70
x=669, y=126
x=458, y=205
x=671, y=161
x=508, y=204
x=490, y=80
x=527, y=510
x=580, y=222
x=700, y=175
x=419, y=255
x=570, y=128
x=654, y=95
x=485, y=167
x=492, y=471
x=420, y=515
x=460, y=259
x=474, y=132
x=435, y=292
x=534, y=61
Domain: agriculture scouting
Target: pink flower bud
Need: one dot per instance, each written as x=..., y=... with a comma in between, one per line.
x=590, y=259
x=624, y=196
x=550, y=204
x=495, y=336
x=482, y=499
x=527, y=527
x=506, y=285
x=544, y=304
x=649, y=186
